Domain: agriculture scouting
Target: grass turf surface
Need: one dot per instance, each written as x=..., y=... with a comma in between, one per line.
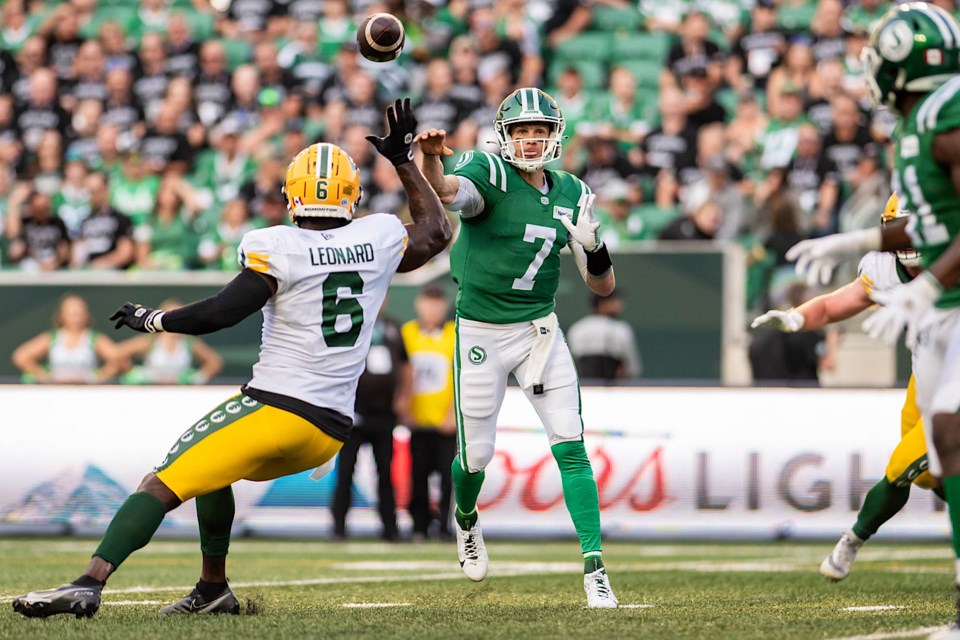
x=297, y=589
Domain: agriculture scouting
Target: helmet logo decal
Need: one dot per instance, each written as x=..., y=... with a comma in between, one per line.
x=896, y=41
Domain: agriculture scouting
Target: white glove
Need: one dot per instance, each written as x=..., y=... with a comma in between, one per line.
x=585, y=231
x=817, y=258
x=903, y=305
x=787, y=321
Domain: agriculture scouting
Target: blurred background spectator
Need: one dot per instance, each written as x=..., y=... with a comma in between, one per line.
x=168, y=358
x=71, y=353
x=603, y=346
x=383, y=396
x=430, y=339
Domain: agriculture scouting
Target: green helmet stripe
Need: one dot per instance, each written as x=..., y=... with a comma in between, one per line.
x=323, y=159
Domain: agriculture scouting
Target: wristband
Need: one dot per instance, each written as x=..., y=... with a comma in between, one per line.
x=598, y=262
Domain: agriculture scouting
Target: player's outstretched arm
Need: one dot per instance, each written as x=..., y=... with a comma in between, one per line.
x=430, y=232
x=244, y=295
x=433, y=146
x=843, y=303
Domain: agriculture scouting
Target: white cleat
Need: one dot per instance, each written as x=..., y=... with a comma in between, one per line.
x=839, y=563
x=599, y=592
x=472, y=552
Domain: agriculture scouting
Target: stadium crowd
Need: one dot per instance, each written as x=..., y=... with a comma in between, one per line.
x=153, y=135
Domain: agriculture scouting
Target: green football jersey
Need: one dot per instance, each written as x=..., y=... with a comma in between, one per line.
x=924, y=186
x=506, y=260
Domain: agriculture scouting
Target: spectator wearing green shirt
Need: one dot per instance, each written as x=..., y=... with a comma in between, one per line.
x=780, y=138
x=17, y=26
x=167, y=240
x=134, y=191
x=71, y=202
x=227, y=167
x=218, y=246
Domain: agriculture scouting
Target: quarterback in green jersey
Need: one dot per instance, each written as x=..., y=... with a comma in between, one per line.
x=913, y=65
x=517, y=216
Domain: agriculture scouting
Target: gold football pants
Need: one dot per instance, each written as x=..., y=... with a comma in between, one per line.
x=908, y=463
x=243, y=439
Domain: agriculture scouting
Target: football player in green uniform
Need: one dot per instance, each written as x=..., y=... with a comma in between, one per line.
x=517, y=216
x=913, y=64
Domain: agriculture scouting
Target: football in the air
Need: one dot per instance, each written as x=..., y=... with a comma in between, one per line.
x=380, y=37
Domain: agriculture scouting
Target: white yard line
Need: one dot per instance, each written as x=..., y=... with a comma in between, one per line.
x=889, y=635
x=134, y=603
x=876, y=607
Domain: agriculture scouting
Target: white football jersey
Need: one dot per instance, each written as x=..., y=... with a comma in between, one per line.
x=878, y=271
x=330, y=286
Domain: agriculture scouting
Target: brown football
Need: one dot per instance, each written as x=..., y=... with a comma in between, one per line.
x=380, y=37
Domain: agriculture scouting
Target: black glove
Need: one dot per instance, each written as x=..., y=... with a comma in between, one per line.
x=138, y=318
x=397, y=145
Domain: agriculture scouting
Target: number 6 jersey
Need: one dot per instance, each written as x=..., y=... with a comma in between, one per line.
x=506, y=260
x=330, y=286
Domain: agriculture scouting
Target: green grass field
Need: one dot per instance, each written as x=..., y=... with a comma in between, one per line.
x=311, y=589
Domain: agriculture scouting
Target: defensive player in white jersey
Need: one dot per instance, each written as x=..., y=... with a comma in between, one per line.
x=320, y=284
x=517, y=215
x=879, y=271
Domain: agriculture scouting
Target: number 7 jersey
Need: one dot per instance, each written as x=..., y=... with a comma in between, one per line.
x=925, y=188
x=330, y=286
x=506, y=260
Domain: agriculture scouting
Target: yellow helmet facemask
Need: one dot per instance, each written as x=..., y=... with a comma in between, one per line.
x=322, y=182
x=891, y=212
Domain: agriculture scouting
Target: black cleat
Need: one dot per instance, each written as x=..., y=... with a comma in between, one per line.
x=226, y=602
x=83, y=602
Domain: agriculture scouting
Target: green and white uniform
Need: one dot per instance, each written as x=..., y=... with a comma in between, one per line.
x=506, y=263
x=928, y=192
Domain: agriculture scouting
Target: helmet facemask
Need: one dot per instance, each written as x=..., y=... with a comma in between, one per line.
x=907, y=257
x=529, y=106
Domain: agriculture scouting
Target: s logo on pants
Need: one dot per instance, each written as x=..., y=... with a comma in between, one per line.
x=477, y=355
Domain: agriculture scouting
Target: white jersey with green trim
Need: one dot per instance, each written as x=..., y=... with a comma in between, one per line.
x=330, y=286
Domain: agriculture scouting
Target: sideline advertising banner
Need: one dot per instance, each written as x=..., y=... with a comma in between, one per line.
x=670, y=463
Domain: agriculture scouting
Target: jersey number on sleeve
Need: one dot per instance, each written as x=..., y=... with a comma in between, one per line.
x=531, y=234
x=335, y=307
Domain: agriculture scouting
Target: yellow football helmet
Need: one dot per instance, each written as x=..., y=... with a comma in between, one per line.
x=322, y=182
x=907, y=257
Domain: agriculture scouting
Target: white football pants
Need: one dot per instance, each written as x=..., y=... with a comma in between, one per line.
x=485, y=355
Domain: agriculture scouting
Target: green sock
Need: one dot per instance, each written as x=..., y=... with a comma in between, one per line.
x=580, y=493
x=881, y=503
x=215, y=513
x=136, y=521
x=466, y=486
x=951, y=487
x=592, y=563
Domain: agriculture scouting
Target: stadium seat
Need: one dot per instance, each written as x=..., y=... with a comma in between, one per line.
x=641, y=46
x=796, y=17
x=237, y=51
x=201, y=24
x=615, y=20
x=654, y=219
x=647, y=72
x=124, y=15
x=593, y=73
x=584, y=46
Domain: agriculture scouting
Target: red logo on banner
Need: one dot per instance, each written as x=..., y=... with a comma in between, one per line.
x=649, y=473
